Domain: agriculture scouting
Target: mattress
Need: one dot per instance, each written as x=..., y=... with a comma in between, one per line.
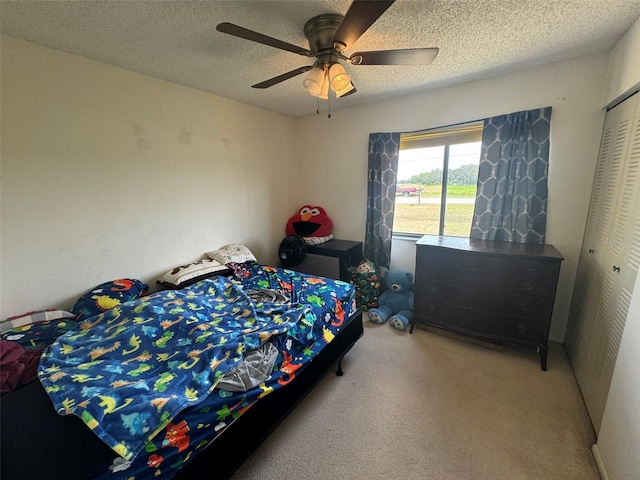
x=321, y=308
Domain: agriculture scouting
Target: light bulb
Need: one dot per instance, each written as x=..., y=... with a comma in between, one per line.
x=345, y=90
x=338, y=78
x=314, y=80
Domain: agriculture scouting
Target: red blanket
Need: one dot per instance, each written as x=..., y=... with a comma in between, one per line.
x=17, y=366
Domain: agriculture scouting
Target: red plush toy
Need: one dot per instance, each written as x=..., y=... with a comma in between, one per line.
x=310, y=222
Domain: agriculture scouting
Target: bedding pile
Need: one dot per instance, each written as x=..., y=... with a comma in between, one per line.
x=128, y=371
x=22, y=340
x=17, y=366
x=153, y=376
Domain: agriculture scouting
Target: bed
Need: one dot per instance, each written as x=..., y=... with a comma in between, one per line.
x=195, y=411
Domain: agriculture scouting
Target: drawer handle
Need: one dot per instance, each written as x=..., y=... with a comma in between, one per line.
x=524, y=307
x=616, y=269
x=434, y=272
x=432, y=289
x=528, y=286
x=521, y=328
x=432, y=308
x=532, y=267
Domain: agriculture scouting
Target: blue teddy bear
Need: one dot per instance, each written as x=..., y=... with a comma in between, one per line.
x=396, y=303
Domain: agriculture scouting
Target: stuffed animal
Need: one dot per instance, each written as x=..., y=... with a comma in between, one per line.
x=310, y=221
x=396, y=303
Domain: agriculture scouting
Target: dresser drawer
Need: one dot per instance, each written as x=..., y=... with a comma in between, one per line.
x=498, y=302
x=483, y=280
x=493, y=263
x=495, y=327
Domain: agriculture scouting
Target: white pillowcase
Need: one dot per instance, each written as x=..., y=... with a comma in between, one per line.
x=35, y=317
x=234, y=252
x=185, y=275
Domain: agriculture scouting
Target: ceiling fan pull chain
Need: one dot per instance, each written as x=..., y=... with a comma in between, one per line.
x=329, y=98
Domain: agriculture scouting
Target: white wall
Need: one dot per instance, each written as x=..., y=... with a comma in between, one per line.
x=619, y=436
x=336, y=153
x=109, y=174
x=624, y=65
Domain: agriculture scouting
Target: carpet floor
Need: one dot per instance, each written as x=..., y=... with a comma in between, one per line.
x=423, y=406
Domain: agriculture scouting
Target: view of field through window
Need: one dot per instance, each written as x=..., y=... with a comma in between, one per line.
x=418, y=205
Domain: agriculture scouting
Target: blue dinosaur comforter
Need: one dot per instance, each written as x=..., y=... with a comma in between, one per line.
x=129, y=371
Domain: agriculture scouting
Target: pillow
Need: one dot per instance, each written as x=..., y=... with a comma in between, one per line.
x=39, y=334
x=34, y=317
x=186, y=275
x=235, y=252
x=108, y=295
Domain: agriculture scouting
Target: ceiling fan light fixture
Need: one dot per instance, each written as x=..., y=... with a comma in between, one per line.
x=324, y=93
x=338, y=78
x=329, y=36
x=313, y=82
x=345, y=90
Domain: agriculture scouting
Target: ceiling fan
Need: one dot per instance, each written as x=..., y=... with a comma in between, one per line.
x=329, y=35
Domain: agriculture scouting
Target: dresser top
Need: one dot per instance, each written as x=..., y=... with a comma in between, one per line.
x=490, y=247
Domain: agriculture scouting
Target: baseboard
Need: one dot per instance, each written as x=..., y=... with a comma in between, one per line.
x=599, y=463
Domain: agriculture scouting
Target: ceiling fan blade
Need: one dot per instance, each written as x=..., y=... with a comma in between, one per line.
x=409, y=56
x=247, y=34
x=360, y=16
x=281, y=78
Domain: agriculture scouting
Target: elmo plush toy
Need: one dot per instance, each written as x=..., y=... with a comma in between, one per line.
x=310, y=222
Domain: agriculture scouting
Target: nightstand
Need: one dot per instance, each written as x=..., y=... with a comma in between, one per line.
x=331, y=259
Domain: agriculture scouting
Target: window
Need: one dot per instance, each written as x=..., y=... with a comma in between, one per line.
x=437, y=180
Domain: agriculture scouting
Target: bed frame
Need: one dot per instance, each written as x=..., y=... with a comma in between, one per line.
x=37, y=443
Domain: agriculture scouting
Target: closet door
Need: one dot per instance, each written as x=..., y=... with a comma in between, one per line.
x=609, y=258
x=587, y=286
x=615, y=138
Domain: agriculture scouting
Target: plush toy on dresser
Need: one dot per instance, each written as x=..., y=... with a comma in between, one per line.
x=396, y=303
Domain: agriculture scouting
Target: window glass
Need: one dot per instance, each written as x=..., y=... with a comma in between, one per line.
x=462, y=181
x=437, y=180
x=419, y=191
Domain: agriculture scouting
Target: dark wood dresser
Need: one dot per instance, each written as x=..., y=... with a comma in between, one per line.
x=496, y=292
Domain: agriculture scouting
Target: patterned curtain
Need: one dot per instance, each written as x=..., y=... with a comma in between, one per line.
x=511, y=202
x=381, y=194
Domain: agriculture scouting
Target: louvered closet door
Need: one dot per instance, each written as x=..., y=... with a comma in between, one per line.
x=609, y=261
x=615, y=140
x=620, y=274
x=587, y=286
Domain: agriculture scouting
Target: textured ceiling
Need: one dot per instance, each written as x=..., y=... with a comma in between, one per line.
x=177, y=41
